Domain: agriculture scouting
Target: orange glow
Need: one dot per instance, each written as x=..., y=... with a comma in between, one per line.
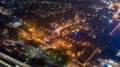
x=116, y=14
x=117, y=4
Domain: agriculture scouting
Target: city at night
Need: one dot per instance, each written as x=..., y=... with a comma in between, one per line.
x=59, y=33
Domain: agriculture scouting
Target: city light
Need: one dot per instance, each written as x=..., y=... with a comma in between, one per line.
x=59, y=33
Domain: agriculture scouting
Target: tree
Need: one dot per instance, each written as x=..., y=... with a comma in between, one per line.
x=37, y=62
x=32, y=24
x=58, y=57
x=13, y=33
x=33, y=43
